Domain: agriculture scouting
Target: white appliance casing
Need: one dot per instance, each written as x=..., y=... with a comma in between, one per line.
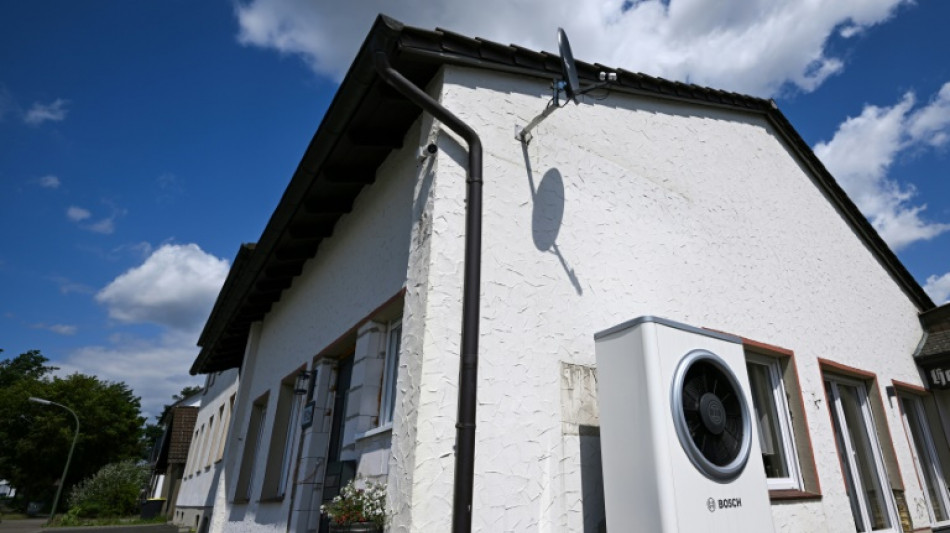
x=650, y=484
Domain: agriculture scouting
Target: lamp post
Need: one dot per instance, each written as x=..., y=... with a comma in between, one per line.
x=69, y=457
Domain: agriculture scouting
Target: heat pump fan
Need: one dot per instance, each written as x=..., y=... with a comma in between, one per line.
x=676, y=431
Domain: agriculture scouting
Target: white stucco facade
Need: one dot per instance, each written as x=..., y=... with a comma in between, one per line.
x=200, y=478
x=617, y=208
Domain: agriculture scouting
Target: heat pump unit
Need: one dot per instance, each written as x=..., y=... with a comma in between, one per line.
x=679, y=447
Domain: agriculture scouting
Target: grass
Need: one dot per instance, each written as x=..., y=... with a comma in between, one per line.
x=74, y=521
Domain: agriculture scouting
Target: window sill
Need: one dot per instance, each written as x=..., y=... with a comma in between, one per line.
x=385, y=428
x=271, y=499
x=780, y=495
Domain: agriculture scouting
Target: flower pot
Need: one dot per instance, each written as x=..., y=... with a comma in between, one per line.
x=362, y=527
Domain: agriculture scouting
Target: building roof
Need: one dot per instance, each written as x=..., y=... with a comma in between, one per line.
x=368, y=119
x=936, y=347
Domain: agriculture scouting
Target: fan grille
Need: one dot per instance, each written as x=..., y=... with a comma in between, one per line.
x=713, y=413
x=711, y=416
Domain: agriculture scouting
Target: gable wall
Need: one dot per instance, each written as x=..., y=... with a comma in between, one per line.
x=694, y=214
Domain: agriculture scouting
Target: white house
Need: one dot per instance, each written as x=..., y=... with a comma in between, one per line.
x=201, y=472
x=649, y=197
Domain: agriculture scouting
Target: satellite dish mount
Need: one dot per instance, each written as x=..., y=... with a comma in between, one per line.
x=569, y=84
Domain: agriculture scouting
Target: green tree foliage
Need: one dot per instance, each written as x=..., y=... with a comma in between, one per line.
x=36, y=438
x=112, y=491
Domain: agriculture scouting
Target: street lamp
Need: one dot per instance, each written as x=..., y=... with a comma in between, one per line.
x=69, y=458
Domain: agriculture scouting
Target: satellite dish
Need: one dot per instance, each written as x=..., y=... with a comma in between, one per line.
x=571, y=84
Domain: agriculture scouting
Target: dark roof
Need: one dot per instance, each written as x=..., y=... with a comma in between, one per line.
x=368, y=119
x=936, y=347
x=177, y=438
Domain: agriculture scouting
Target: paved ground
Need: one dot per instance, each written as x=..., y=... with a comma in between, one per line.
x=35, y=525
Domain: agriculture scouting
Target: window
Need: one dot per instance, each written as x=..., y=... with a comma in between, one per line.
x=926, y=459
x=776, y=438
x=390, y=371
x=282, y=441
x=224, y=428
x=252, y=442
x=208, y=444
x=872, y=503
x=781, y=422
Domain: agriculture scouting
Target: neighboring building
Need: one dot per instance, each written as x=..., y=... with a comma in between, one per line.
x=654, y=198
x=6, y=491
x=171, y=452
x=201, y=472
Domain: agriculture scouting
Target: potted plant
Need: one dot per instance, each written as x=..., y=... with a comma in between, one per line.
x=357, y=510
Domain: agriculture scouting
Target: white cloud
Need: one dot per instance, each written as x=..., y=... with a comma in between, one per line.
x=105, y=226
x=154, y=369
x=60, y=329
x=175, y=287
x=753, y=46
x=939, y=288
x=40, y=113
x=863, y=150
x=48, y=182
x=77, y=214
x=67, y=286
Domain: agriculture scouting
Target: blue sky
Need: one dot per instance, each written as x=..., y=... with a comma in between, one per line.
x=142, y=142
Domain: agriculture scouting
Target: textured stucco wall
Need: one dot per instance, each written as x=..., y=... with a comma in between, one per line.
x=619, y=208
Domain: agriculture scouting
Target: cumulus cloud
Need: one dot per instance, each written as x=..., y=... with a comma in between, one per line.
x=753, y=46
x=48, y=182
x=40, y=113
x=863, y=150
x=154, y=369
x=175, y=287
x=938, y=287
x=77, y=214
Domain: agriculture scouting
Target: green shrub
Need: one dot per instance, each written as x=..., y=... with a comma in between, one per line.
x=113, y=491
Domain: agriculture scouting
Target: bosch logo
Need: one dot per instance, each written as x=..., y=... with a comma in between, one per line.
x=725, y=503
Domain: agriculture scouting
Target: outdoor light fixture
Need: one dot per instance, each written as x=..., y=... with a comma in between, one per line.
x=69, y=457
x=302, y=385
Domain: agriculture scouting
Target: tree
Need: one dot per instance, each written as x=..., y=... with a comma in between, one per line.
x=36, y=439
x=30, y=366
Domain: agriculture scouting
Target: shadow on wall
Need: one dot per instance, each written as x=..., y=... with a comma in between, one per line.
x=547, y=215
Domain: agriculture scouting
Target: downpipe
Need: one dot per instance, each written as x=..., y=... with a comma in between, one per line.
x=468, y=368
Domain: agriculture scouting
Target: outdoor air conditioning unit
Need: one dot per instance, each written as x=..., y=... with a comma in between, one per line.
x=679, y=447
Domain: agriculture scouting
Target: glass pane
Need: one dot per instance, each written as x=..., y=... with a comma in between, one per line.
x=927, y=465
x=852, y=403
x=392, y=365
x=848, y=480
x=770, y=435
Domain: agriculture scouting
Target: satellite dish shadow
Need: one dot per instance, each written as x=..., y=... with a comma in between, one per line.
x=547, y=216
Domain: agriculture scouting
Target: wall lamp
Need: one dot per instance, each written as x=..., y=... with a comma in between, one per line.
x=302, y=385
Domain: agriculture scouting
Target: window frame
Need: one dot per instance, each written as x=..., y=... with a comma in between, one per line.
x=252, y=446
x=390, y=375
x=927, y=448
x=282, y=439
x=779, y=398
x=846, y=457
